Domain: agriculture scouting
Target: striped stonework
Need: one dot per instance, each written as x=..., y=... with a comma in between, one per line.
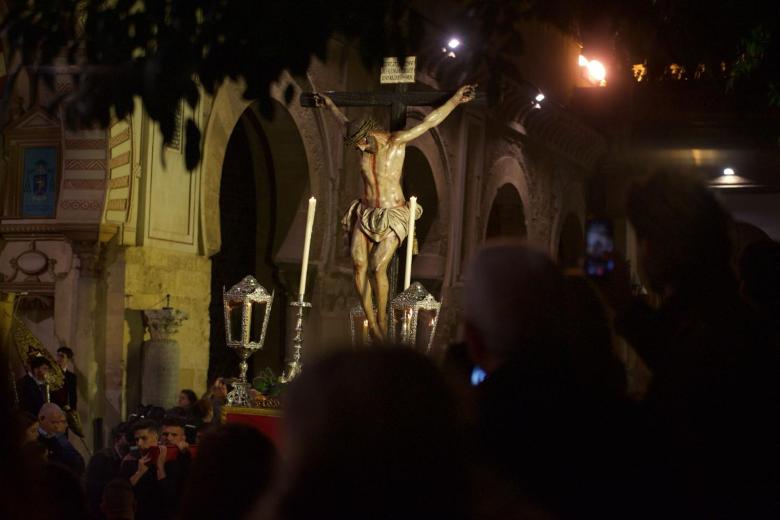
x=119, y=182
x=85, y=164
x=84, y=184
x=120, y=160
x=120, y=175
x=116, y=205
x=85, y=144
x=84, y=175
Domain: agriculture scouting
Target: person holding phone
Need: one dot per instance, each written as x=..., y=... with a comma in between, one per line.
x=154, y=479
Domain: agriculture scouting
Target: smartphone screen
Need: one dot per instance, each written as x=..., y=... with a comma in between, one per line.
x=599, y=248
x=477, y=375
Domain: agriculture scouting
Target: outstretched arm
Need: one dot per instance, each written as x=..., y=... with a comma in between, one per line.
x=464, y=94
x=323, y=100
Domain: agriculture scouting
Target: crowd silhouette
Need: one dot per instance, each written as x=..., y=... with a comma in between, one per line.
x=550, y=433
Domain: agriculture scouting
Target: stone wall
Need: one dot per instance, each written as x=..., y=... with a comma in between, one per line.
x=152, y=273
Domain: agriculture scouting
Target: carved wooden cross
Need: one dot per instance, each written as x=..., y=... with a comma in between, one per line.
x=398, y=101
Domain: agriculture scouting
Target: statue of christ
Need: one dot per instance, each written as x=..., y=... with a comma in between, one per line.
x=378, y=221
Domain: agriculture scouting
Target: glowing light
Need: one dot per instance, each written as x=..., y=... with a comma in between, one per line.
x=453, y=43
x=596, y=71
x=728, y=172
x=451, y=54
x=537, y=105
x=540, y=97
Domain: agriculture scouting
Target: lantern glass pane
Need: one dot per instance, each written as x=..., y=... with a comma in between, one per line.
x=426, y=318
x=257, y=320
x=236, y=320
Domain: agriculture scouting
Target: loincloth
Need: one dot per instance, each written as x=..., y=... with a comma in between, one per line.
x=378, y=223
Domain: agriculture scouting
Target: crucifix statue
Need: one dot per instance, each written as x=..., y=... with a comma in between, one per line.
x=378, y=221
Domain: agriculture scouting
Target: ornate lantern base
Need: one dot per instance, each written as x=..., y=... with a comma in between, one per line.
x=239, y=395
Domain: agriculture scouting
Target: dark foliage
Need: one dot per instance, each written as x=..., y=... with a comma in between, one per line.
x=161, y=51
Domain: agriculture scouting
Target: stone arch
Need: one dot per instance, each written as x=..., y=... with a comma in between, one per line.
x=431, y=263
x=226, y=110
x=573, y=206
x=506, y=179
x=285, y=160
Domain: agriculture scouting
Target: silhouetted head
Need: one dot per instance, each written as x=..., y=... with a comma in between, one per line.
x=54, y=492
x=759, y=272
x=595, y=368
x=233, y=468
x=118, y=502
x=371, y=434
x=24, y=428
x=187, y=398
x=513, y=304
x=683, y=232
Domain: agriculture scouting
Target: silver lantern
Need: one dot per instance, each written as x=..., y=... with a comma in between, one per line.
x=358, y=327
x=414, y=315
x=247, y=308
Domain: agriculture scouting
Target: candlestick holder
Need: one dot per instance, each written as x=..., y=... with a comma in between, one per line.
x=294, y=366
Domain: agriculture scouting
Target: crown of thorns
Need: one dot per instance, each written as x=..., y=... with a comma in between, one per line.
x=366, y=126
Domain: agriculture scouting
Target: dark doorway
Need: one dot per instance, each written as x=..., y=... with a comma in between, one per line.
x=418, y=181
x=264, y=180
x=507, y=217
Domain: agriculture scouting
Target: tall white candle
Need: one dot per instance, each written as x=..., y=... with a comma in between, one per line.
x=306, y=244
x=410, y=242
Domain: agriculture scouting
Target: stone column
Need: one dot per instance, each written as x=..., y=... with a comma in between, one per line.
x=160, y=357
x=89, y=354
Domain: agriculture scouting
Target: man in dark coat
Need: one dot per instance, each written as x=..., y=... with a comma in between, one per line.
x=104, y=467
x=155, y=479
x=52, y=435
x=66, y=396
x=32, y=387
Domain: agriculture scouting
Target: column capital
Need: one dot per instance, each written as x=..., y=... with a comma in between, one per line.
x=88, y=253
x=164, y=323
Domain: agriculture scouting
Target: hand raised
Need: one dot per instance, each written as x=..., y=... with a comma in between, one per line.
x=466, y=93
x=321, y=100
x=143, y=465
x=161, y=457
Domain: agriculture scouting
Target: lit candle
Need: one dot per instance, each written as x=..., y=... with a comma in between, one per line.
x=366, y=339
x=410, y=242
x=306, y=244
